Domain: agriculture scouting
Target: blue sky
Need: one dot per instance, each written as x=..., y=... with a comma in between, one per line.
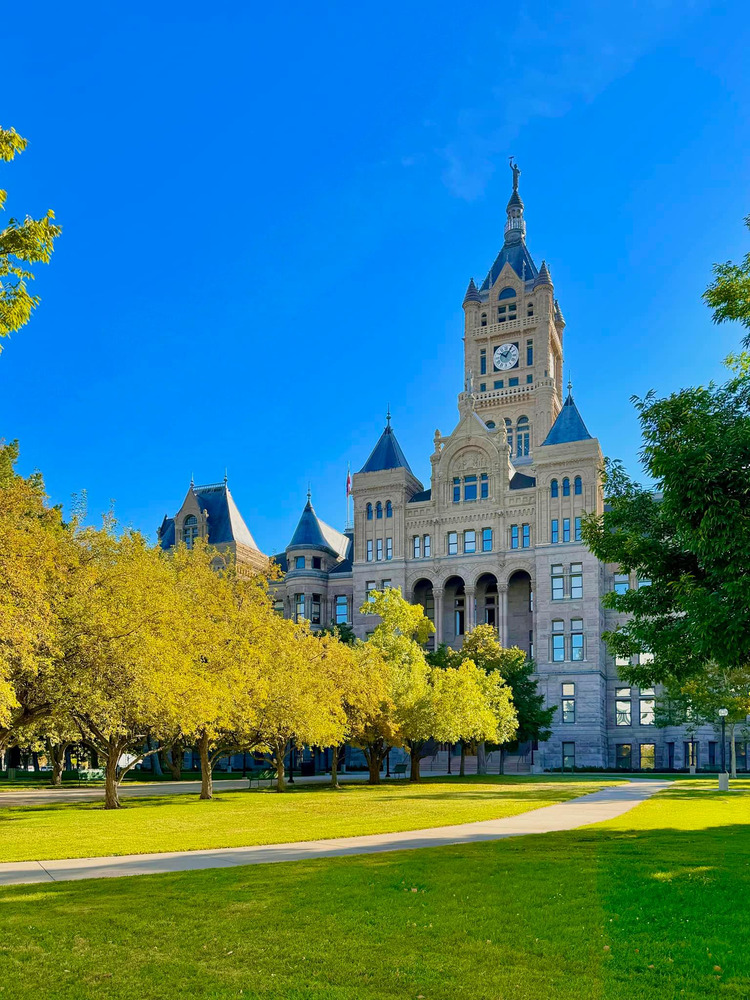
x=271, y=214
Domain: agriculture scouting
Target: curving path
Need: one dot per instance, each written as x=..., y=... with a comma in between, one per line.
x=592, y=808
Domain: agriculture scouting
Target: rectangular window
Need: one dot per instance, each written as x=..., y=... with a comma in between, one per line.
x=299, y=562
x=458, y=615
x=531, y=644
x=483, y=387
x=568, y=756
x=512, y=381
x=569, y=703
x=577, y=535
x=456, y=490
x=342, y=609
x=470, y=487
x=417, y=546
x=485, y=484
x=644, y=582
x=576, y=639
x=622, y=583
x=566, y=529
x=452, y=543
x=558, y=642
x=317, y=562
x=278, y=607
x=622, y=661
x=483, y=362
x=379, y=550
x=315, y=610
x=529, y=379
x=470, y=542
x=427, y=546
x=525, y=536
x=558, y=583
x=369, y=550
x=389, y=548
x=486, y=539
x=498, y=383
x=554, y=531
x=490, y=610
x=370, y=586
x=624, y=756
x=530, y=309
x=647, y=711
x=576, y=581
x=648, y=756
x=299, y=607
x=514, y=536
x=622, y=707
x=529, y=352
x=386, y=584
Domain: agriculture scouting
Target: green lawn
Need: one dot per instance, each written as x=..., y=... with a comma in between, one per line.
x=648, y=907
x=241, y=819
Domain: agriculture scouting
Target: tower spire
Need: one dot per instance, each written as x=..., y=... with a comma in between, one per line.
x=515, y=227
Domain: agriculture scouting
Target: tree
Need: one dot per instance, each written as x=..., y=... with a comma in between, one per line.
x=729, y=293
x=689, y=536
x=533, y=719
x=21, y=244
x=697, y=701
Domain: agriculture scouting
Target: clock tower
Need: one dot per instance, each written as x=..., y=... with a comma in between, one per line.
x=513, y=341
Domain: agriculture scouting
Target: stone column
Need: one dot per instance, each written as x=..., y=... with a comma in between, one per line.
x=470, y=608
x=502, y=595
x=437, y=594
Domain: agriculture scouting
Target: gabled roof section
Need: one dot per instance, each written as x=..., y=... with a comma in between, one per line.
x=520, y=481
x=386, y=454
x=166, y=533
x=312, y=533
x=568, y=426
x=517, y=255
x=421, y=497
x=225, y=523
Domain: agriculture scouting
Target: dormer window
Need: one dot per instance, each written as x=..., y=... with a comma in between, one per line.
x=190, y=530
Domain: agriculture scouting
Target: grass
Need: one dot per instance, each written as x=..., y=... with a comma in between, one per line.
x=645, y=907
x=242, y=819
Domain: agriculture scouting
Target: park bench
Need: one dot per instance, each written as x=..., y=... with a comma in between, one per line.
x=263, y=774
x=399, y=771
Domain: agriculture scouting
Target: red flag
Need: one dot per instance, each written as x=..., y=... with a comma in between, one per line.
x=348, y=481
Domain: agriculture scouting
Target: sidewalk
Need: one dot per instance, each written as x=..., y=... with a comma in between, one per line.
x=593, y=808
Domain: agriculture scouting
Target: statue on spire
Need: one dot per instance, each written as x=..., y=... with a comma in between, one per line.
x=516, y=171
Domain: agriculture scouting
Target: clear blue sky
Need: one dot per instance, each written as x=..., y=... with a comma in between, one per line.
x=271, y=213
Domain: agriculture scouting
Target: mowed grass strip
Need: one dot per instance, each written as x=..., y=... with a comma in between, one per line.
x=243, y=819
x=647, y=907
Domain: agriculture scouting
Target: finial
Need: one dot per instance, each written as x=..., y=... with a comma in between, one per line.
x=388, y=416
x=570, y=384
x=309, y=493
x=226, y=476
x=516, y=171
x=192, y=480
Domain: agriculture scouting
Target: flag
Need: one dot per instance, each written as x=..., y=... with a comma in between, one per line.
x=348, y=481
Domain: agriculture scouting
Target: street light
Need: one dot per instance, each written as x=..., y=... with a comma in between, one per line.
x=723, y=780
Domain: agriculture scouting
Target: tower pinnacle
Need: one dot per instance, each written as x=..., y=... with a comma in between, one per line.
x=515, y=227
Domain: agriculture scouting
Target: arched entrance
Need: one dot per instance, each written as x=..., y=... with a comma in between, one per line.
x=422, y=593
x=520, y=625
x=488, y=607
x=455, y=612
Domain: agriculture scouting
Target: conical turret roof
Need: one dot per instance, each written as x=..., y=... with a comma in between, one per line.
x=386, y=454
x=568, y=426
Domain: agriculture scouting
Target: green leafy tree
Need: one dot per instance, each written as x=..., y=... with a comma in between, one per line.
x=22, y=244
x=729, y=293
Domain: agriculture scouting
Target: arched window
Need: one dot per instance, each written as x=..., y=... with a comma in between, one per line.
x=379, y=511
x=507, y=293
x=369, y=512
x=566, y=487
x=491, y=425
x=190, y=530
x=554, y=489
x=388, y=508
x=509, y=433
x=577, y=486
x=522, y=437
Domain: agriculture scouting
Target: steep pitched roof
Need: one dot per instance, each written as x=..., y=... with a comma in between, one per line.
x=225, y=523
x=517, y=255
x=521, y=481
x=386, y=454
x=166, y=533
x=472, y=293
x=312, y=533
x=420, y=497
x=568, y=426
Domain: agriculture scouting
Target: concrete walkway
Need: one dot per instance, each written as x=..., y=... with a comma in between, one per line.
x=593, y=808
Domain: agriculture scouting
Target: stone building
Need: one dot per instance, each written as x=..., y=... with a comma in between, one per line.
x=495, y=536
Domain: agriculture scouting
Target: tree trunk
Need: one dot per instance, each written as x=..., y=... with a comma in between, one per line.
x=173, y=760
x=111, y=783
x=462, y=769
x=280, y=751
x=502, y=761
x=35, y=760
x=482, y=758
x=207, y=769
x=57, y=756
x=68, y=760
x=335, y=768
x=414, y=774
x=374, y=760
x=155, y=763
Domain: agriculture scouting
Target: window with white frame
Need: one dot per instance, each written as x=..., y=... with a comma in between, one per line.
x=622, y=583
x=379, y=550
x=369, y=550
x=514, y=536
x=623, y=712
x=576, y=581
x=486, y=539
x=647, y=707
x=470, y=541
x=557, y=641
x=452, y=543
x=299, y=607
x=558, y=582
x=525, y=536
x=426, y=546
x=342, y=609
x=389, y=548
x=577, y=648
x=568, y=702
x=417, y=546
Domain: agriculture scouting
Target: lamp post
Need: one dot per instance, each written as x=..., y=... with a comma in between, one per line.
x=723, y=777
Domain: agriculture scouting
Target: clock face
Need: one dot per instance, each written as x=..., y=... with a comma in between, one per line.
x=506, y=357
